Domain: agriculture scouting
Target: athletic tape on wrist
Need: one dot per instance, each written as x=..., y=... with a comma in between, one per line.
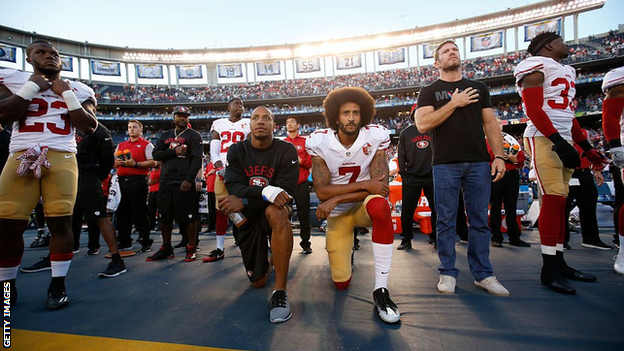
x=269, y=193
x=71, y=100
x=28, y=91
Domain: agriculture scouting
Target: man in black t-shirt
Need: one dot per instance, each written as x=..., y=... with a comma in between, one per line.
x=261, y=178
x=459, y=113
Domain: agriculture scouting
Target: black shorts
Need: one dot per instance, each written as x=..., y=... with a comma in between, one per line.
x=174, y=203
x=253, y=241
x=92, y=200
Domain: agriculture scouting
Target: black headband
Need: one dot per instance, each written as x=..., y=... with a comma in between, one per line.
x=544, y=39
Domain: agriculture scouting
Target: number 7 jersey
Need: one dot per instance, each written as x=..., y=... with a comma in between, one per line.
x=230, y=133
x=47, y=120
x=348, y=165
x=559, y=91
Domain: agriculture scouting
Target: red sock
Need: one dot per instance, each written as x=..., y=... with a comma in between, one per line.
x=551, y=219
x=342, y=285
x=620, y=228
x=222, y=223
x=379, y=213
x=10, y=262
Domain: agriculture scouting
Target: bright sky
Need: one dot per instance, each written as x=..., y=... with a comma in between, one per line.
x=187, y=24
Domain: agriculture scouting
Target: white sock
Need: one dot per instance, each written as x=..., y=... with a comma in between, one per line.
x=220, y=242
x=382, y=255
x=551, y=250
x=8, y=273
x=60, y=268
x=621, y=244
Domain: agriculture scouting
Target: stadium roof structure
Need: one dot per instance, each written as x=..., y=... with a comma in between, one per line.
x=460, y=28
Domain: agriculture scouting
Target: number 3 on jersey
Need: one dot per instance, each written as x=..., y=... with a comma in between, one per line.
x=228, y=138
x=42, y=109
x=564, y=94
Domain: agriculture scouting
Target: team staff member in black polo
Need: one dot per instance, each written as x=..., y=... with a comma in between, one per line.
x=415, y=169
x=180, y=151
x=261, y=175
x=132, y=175
x=95, y=160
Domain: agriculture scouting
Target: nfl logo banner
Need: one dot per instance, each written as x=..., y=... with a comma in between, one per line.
x=149, y=71
x=105, y=68
x=7, y=53
x=230, y=71
x=388, y=57
x=531, y=30
x=348, y=61
x=189, y=71
x=67, y=64
x=307, y=66
x=268, y=68
x=429, y=49
x=486, y=41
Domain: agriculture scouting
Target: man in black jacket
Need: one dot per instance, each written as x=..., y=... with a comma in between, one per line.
x=180, y=151
x=415, y=169
x=261, y=177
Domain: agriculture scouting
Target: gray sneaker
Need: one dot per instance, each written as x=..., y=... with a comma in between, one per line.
x=279, y=307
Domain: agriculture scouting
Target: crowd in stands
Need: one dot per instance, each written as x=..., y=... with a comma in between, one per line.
x=591, y=103
x=476, y=68
x=613, y=43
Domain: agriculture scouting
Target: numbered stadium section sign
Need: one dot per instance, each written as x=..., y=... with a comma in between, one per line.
x=531, y=30
x=189, y=71
x=349, y=61
x=230, y=71
x=268, y=68
x=105, y=68
x=388, y=57
x=486, y=41
x=149, y=71
x=308, y=65
x=67, y=63
x=7, y=53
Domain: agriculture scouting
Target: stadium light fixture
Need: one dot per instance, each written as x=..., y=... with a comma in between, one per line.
x=506, y=19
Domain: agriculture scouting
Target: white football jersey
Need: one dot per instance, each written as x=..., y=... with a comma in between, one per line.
x=348, y=165
x=613, y=78
x=559, y=91
x=230, y=133
x=47, y=121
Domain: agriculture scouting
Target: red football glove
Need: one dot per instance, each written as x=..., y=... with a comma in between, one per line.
x=597, y=159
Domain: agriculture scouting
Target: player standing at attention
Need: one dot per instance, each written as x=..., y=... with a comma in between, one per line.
x=547, y=89
x=225, y=132
x=44, y=111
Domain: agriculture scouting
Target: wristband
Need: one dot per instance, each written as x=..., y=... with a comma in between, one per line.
x=71, y=100
x=28, y=91
x=500, y=158
x=245, y=201
x=269, y=193
x=585, y=145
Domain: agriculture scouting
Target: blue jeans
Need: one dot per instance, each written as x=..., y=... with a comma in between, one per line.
x=474, y=178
